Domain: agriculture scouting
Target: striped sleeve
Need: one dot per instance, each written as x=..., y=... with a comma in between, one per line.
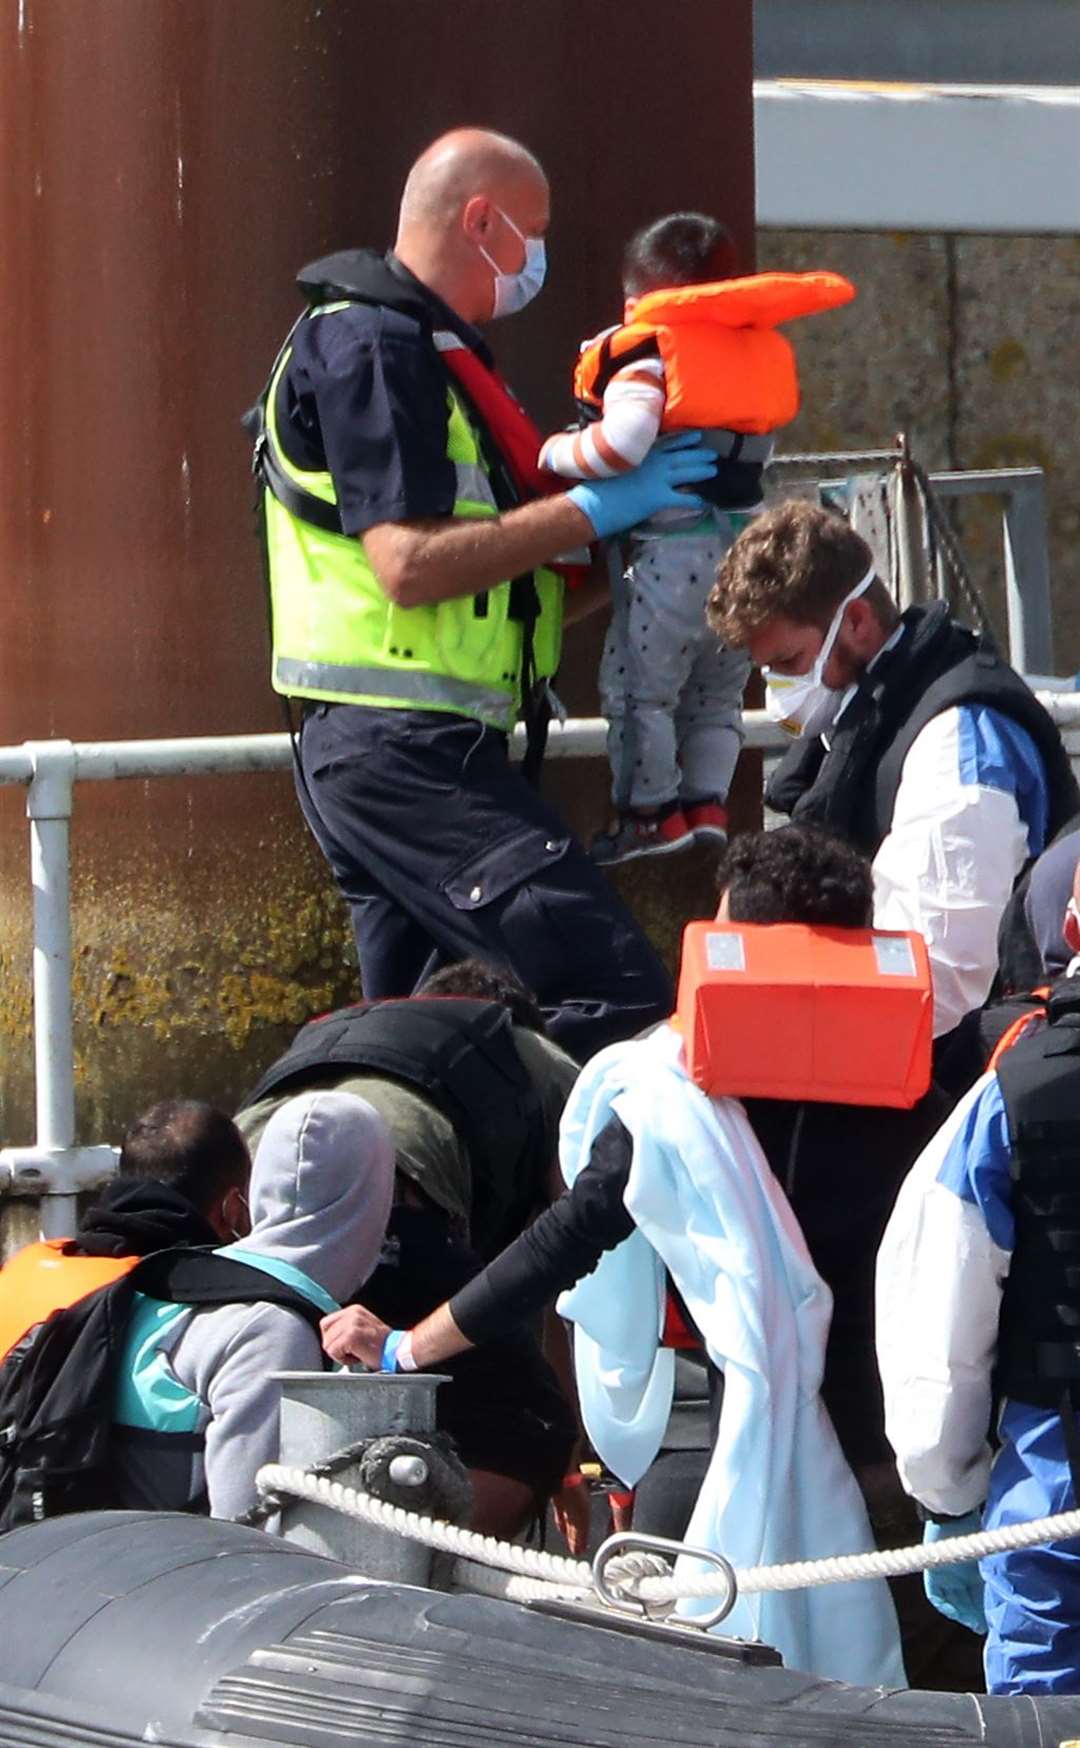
x=622, y=437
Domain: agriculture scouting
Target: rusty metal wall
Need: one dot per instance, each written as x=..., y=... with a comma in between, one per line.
x=168, y=165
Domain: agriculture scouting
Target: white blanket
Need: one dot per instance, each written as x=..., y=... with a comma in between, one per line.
x=708, y=1209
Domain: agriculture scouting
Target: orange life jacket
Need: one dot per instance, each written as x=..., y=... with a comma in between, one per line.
x=42, y=1278
x=724, y=363
x=785, y=1011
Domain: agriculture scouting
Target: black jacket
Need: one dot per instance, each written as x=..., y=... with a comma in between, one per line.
x=840, y=1165
x=850, y=787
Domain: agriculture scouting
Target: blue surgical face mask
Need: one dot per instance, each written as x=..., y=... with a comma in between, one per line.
x=514, y=290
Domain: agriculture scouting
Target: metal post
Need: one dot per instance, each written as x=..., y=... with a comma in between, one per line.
x=912, y=581
x=322, y=1413
x=54, y=1163
x=48, y=805
x=1027, y=576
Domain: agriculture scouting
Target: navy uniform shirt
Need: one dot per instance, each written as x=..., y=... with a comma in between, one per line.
x=364, y=396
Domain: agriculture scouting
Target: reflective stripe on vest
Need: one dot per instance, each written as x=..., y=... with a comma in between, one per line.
x=424, y=690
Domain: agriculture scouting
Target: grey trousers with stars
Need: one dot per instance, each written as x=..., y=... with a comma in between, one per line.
x=671, y=691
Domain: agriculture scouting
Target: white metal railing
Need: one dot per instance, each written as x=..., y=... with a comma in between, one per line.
x=57, y=1167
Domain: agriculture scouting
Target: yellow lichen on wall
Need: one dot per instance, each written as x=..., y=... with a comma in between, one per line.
x=1007, y=357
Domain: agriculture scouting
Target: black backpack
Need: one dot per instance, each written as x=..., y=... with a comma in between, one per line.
x=458, y=1052
x=58, y=1383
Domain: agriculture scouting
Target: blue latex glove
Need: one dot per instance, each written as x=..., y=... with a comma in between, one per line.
x=956, y=1591
x=614, y=504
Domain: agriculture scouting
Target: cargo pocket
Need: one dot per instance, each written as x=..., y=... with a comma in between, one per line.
x=539, y=903
x=502, y=868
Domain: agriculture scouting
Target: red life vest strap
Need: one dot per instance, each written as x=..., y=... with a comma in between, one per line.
x=677, y=1332
x=518, y=438
x=1020, y=1027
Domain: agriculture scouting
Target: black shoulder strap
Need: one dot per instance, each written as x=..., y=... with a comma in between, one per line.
x=188, y=1276
x=266, y=467
x=299, y=502
x=608, y=363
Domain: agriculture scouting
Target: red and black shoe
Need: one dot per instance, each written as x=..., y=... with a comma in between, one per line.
x=642, y=834
x=707, y=821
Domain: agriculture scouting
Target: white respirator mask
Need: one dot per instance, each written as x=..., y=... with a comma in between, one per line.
x=514, y=290
x=802, y=703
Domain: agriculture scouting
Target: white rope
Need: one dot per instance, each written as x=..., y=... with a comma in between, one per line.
x=572, y=1577
x=889, y=1562
x=445, y=1538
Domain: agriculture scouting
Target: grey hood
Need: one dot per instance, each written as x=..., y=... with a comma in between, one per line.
x=321, y=1187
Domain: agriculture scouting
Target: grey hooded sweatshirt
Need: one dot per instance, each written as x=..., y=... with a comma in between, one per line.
x=320, y=1195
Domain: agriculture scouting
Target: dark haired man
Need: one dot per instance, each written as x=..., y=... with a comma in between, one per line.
x=183, y=1179
x=472, y=1091
x=819, y=1152
x=915, y=741
x=696, y=348
x=837, y=1166
x=475, y=979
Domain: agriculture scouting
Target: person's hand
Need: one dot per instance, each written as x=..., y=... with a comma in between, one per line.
x=614, y=504
x=570, y=1509
x=956, y=1591
x=354, y=1333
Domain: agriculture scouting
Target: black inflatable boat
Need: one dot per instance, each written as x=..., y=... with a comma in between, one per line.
x=123, y=1627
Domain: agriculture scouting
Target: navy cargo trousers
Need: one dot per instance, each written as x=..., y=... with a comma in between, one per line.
x=444, y=852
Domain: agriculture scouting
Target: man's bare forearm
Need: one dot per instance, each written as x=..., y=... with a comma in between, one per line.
x=437, y=1338
x=422, y=562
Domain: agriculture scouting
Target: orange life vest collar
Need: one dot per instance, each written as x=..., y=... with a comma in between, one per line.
x=761, y=300
x=724, y=363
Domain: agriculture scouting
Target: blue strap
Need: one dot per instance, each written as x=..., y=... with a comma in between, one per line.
x=388, y=1357
x=285, y=1272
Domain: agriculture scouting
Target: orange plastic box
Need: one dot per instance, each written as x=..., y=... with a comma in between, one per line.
x=785, y=1011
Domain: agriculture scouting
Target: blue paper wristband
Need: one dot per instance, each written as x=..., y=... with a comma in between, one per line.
x=388, y=1357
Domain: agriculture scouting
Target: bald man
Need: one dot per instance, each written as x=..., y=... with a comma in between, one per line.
x=415, y=611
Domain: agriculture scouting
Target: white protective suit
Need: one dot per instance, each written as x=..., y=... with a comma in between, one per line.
x=710, y=1212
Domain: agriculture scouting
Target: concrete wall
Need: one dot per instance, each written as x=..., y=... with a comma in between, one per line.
x=963, y=42
x=967, y=343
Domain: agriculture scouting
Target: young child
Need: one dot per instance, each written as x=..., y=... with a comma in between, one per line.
x=698, y=351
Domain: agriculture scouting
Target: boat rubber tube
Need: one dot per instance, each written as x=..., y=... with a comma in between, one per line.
x=131, y=1627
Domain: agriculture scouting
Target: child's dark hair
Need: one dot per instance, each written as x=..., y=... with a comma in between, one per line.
x=685, y=248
